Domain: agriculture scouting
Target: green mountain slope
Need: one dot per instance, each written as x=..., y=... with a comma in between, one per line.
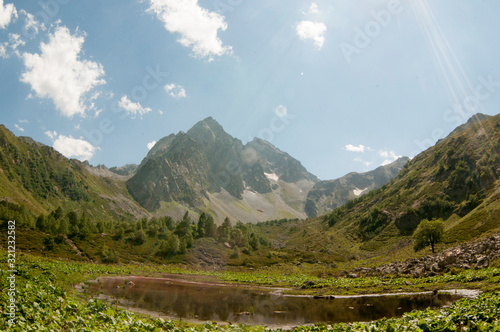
x=456, y=180
x=41, y=179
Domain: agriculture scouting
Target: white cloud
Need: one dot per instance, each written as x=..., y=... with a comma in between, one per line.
x=359, y=148
x=7, y=14
x=175, y=90
x=32, y=26
x=312, y=30
x=197, y=26
x=14, y=42
x=51, y=134
x=281, y=111
x=23, y=121
x=151, y=144
x=389, y=155
x=59, y=74
x=3, y=50
x=19, y=127
x=313, y=9
x=132, y=108
x=74, y=148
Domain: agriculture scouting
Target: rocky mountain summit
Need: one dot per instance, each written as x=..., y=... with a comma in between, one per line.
x=208, y=170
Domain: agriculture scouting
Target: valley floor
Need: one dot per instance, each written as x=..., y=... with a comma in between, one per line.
x=45, y=297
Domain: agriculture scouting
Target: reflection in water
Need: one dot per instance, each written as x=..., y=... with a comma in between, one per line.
x=257, y=306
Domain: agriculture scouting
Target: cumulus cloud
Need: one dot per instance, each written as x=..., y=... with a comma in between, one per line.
x=151, y=144
x=389, y=156
x=198, y=27
x=133, y=109
x=175, y=90
x=312, y=30
x=74, y=148
x=360, y=148
x=8, y=13
x=281, y=111
x=59, y=74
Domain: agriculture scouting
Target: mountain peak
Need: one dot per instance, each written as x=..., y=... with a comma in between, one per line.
x=209, y=123
x=273, y=160
x=209, y=120
x=477, y=118
x=208, y=131
x=206, y=165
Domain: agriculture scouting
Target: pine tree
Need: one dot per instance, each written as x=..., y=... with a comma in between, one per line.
x=201, y=227
x=184, y=227
x=224, y=231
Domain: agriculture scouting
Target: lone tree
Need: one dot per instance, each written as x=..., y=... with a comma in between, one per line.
x=428, y=233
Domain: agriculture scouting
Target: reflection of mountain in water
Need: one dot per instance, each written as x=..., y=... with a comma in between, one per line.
x=259, y=306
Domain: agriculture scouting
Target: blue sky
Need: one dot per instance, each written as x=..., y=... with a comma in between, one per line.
x=340, y=85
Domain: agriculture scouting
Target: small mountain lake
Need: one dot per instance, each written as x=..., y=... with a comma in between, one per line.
x=195, y=301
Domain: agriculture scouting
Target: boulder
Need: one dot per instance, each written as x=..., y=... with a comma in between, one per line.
x=418, y=271
x=483, y=262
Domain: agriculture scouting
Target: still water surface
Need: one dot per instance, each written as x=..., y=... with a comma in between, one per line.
x=239, y=304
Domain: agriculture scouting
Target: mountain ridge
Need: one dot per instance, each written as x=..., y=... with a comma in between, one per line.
x=41, y=179
x=457, y=180
x=328, y=195
x=204, y=170
x=220, y=164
